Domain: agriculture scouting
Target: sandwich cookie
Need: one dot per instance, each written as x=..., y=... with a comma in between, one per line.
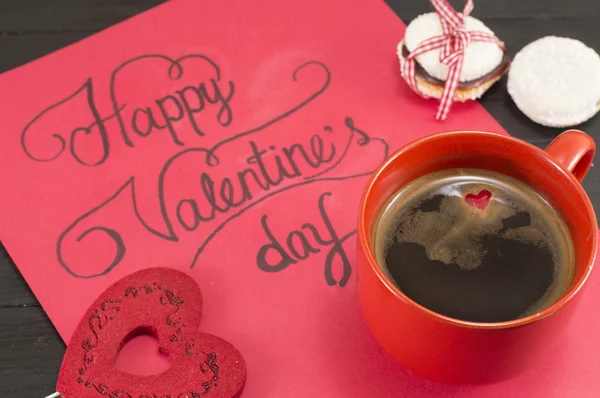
x=451, y=56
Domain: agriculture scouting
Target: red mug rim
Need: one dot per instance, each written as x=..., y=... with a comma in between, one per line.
x=365, y=243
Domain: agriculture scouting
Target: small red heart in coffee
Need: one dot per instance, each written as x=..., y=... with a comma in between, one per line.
x=480, y=200
x=163, y=303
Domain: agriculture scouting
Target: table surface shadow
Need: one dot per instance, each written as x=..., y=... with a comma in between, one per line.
x=30, y=348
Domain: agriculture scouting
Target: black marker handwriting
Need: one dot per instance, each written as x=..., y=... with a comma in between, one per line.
x=362, y=141
x=204, y=92
x=268, y=170
x=184, y=103
x=86, y=89
x=231, y=196
x=300, y=244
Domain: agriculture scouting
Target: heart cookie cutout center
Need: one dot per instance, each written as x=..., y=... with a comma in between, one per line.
x=479, y=200
x=140, y=354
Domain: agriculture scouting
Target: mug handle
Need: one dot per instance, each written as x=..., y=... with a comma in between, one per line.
x=574, y=151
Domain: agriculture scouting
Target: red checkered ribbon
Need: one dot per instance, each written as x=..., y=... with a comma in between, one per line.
x=453, y=43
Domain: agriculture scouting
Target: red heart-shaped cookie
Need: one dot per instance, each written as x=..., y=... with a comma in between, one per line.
x=167, y=304
x=480, y=200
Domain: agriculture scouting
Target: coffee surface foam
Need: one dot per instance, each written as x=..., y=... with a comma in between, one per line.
x=432, y=212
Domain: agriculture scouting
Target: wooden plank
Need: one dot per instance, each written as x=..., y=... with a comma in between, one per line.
x=507, y=9
x=516, y=33
x=20, y=49
x=22, y=16
x=30, y=16
x=14, y=291
x=30, y=353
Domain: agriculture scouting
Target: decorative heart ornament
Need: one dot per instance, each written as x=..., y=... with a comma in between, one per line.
x=168, y=305
x=480, y=200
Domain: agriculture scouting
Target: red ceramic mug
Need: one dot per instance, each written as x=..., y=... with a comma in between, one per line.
x=454, y=351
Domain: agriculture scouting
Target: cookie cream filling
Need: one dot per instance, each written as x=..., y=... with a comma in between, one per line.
x=422, y=73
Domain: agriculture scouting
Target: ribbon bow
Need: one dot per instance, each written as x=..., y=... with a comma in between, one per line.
x=453, y=42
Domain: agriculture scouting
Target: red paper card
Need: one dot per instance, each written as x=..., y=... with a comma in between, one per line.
x=232, y=140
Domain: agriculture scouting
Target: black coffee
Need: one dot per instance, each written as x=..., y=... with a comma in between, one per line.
x=475, y=259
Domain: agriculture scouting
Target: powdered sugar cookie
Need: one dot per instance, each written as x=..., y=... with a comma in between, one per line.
x=555, y=81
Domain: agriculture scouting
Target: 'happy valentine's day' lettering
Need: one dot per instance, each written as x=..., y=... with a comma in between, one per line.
x=186, y=115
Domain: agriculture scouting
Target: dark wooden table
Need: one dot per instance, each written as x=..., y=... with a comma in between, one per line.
x=30, y=348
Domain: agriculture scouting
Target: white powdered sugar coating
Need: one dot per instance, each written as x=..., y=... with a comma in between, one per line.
x=555, y=81
x=480, y=57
